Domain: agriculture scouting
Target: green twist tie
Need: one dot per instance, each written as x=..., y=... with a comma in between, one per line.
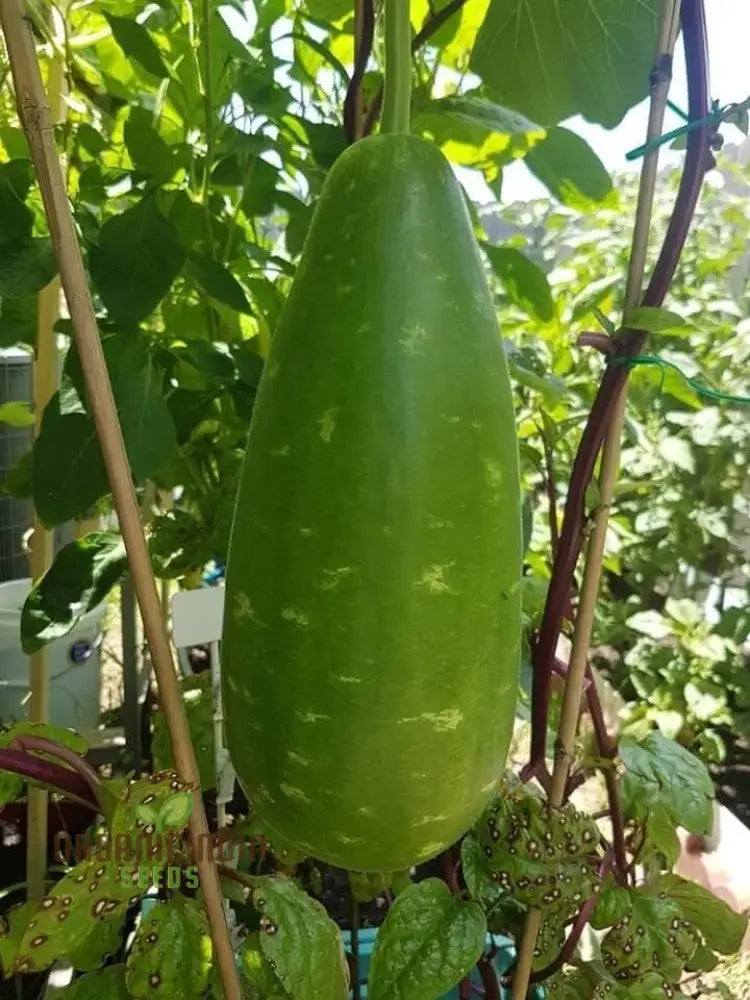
x=651, y=360
x=715, y=117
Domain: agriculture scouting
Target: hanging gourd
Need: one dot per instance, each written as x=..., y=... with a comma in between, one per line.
x=372, y=623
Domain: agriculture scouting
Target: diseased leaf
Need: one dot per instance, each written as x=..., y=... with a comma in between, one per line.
x=588, y=57
x=660, y=772
x=570, y=169
x=171, y=954
x=300, y=941
x=83, y=573
x=258, y=978
x=13, y=926
x=72, y=913
x=428, y=942
x=128, y=817
x=611, y=906
x=525, y=282
x=722, y=928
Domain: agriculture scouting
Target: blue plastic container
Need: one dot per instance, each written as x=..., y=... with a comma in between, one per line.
x=503, y=961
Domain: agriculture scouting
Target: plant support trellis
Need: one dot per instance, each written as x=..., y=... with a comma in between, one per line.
x=35, y=117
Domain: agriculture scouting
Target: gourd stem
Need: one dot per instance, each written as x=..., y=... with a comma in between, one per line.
x=397, y=85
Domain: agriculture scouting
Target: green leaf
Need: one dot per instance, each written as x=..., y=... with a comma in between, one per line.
x=571, y=170
x=661, y=321
x=524, y=281
x=91, y=894
x=588, y=57
x=12, y=929
x=611, y=906
x=67, y=474
x=661, y=840
x=367, y=886
x=659, y=771
x=300, y=941
x=218, y=282
x=650, y=623
x=171, y=954
x=196, y=695
x=15, y=182
x=16, y=414
x=146, y=813
x=17, y=320
x=429, y=941
x=258, y=978
x=26, y=266
x=137, y=43
x=148, y=151
x=83, y=573
x=723, y=930
x=109, y=983
x=58, y=734
x=138, y=257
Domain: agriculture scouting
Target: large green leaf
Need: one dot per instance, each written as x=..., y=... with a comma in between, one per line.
x=135, y=262
x=660, y=772
x=148, y=151
x=555, y=60
x=300, y=941
x=523, y=280
x=428, y=942
x=83, y=573
x=68, y=474
x=570, y=169
x=15, y=181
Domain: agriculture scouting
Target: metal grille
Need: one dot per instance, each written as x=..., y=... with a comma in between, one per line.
x=15, y=515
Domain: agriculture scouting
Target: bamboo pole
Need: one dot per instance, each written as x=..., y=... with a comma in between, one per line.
x=45, y=382
x=35, y=118
x=610, y=463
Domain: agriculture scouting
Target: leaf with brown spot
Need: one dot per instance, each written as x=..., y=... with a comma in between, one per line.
x=171, y=954
x=68, y=921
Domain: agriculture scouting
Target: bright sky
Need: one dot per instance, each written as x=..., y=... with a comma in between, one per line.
x=728, y=36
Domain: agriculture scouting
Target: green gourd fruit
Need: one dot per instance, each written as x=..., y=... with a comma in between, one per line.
x=373, y=604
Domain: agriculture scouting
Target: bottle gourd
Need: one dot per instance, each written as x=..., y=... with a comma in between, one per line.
x=372, y=621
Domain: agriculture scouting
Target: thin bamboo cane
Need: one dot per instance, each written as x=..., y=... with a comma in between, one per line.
x=35, y=118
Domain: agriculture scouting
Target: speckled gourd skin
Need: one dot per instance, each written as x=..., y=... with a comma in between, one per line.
x=372, y=623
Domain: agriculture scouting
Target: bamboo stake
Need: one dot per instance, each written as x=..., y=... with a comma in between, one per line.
x=45, y=383
x=34, y=114
x=566, y=734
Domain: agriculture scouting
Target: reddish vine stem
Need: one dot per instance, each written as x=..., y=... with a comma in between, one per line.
x=46, y=772
x=490, y=982
x=433, y=24
x=698, y=161
x=40, y=744
x=360, y=66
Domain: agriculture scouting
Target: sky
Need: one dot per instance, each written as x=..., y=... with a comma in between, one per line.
x=729, y=37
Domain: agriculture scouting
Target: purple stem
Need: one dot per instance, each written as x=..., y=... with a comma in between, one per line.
x=697, y=161
x=360, y=65
x=47, y=773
